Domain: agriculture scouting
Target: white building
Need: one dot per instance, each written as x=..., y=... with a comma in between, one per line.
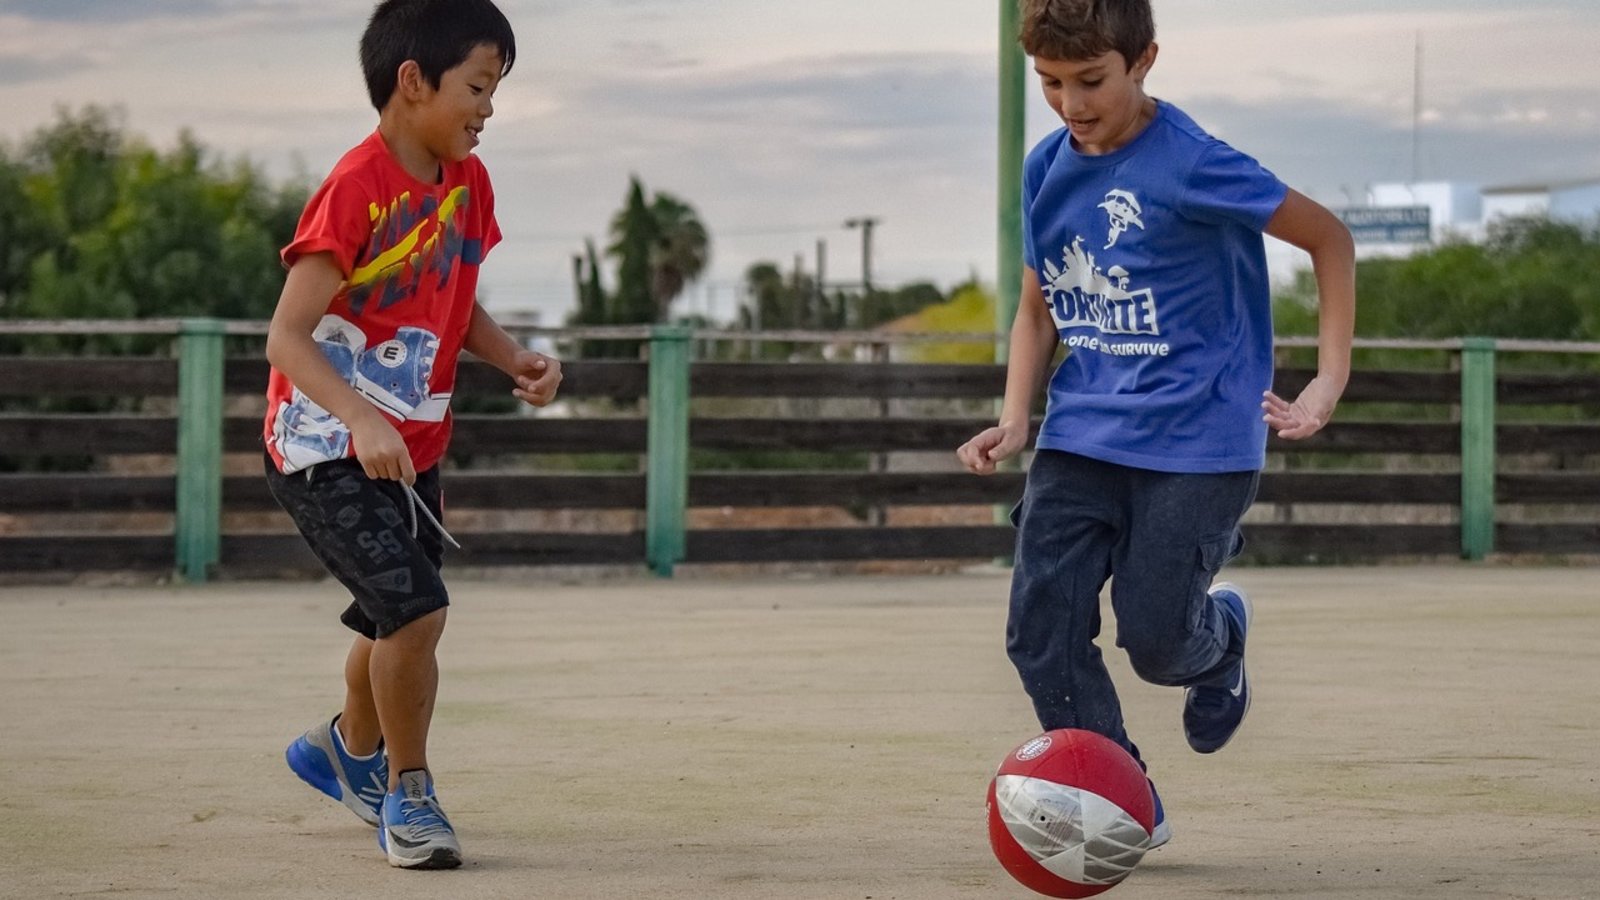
x=1572, y=200
x=1400, y=218
x=1453, y=209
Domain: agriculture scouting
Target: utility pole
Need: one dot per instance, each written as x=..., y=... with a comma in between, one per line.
x=1416, y=112
x=577, y=278
x=866, y=224
x=821, y=297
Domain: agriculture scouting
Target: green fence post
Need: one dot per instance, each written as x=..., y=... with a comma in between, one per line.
x=1013, y=147
x=667, y=469
x=198, y=529
x=1013, y=64
x=1477, y=447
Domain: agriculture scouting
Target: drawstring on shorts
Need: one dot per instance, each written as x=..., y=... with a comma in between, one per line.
x=417, y=504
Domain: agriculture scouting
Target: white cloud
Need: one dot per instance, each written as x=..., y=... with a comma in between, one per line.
x=778, y=121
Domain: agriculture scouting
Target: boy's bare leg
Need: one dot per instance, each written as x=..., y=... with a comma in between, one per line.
x=358, y=724
x=405, y=680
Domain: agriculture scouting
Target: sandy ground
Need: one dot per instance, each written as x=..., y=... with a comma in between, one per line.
x=1416, y=733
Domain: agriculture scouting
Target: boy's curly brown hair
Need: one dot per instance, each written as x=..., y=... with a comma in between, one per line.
x=1085, y=29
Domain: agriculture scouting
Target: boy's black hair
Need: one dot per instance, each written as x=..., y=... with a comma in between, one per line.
x=1084, y=29
x=438, y=34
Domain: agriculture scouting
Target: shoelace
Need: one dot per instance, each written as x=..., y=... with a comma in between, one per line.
x=1210, y=698
x=417, y=504
x=424, y=817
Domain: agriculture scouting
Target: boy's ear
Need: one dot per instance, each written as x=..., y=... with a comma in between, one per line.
x=1141, y=66
x=409, y=82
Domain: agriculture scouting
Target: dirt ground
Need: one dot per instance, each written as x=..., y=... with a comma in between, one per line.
x=1416, y=733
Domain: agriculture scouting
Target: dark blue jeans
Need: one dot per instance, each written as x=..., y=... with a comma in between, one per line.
x=1160, y=537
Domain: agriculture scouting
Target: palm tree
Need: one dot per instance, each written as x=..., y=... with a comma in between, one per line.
x=681, y=252
x=660, y=246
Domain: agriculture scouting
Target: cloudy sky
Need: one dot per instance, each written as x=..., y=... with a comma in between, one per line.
x=779, y=121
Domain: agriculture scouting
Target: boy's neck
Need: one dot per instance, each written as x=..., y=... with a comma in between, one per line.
x=407, y=150
x=1148, y=109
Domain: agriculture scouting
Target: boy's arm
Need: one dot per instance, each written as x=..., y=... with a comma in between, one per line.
x=1308, y=225
x=1033, y=346
x=313, y=281
x=537, y=376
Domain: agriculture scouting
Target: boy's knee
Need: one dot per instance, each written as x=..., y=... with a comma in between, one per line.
x=1158, y=662
x=425, y=629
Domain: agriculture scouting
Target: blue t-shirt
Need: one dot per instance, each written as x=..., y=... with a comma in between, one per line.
x=1152, y=263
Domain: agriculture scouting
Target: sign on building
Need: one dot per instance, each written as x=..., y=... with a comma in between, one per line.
x=1388, y=224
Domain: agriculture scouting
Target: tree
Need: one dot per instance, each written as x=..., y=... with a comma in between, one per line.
x=1531, y=278
x=775, y=303
x=970, y=310
x=592, y=303
x=681, y=253
x=660, y=246
x=878, y=307
x=94, y=223
x=634, y=232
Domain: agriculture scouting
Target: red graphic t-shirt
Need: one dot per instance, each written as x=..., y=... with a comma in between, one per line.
x=410, y=254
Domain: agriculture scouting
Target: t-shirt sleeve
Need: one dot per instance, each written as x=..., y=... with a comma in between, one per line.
x=1229, y=187
x=1034, y=167
x=485, y=233
x=1029, y=252
x=337, y=220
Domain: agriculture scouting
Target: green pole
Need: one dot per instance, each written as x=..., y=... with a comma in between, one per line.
x=1477, y=447
x=198, y=529
x=1013, y=132
x=667, y=470
x=1013, y=128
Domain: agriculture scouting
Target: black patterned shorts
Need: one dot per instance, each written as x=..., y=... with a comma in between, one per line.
x=369, y=537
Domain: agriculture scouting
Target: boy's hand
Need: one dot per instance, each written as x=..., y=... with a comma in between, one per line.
x=537, y=376
x=991, y=446
x=381, y=451
x=1306, y=415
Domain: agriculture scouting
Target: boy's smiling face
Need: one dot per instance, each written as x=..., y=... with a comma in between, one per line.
x=1101, y=100
x=450, y=118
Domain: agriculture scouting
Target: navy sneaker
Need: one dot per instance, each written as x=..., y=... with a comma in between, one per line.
x=1162, y=832
x=1211, y=714
x=415, y=833
x=319, y=758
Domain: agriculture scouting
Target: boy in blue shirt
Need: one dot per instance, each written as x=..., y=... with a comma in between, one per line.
x=1145, y=258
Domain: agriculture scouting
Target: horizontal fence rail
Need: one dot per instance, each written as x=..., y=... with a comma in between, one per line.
x=97, y=444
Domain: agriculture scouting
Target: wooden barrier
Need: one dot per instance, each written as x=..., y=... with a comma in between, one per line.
x=1368, y=458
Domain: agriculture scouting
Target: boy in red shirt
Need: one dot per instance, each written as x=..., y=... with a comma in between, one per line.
x=379, y=302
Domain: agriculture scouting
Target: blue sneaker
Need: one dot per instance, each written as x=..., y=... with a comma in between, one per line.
x=319, y=758
x=1211, y=715
x=415, y=833
x=1162, y=832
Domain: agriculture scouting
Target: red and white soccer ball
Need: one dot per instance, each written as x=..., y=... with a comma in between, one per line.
x=1070, y=813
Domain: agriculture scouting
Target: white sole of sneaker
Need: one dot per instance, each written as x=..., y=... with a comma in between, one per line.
x=438, y=859
x=1249, y=609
